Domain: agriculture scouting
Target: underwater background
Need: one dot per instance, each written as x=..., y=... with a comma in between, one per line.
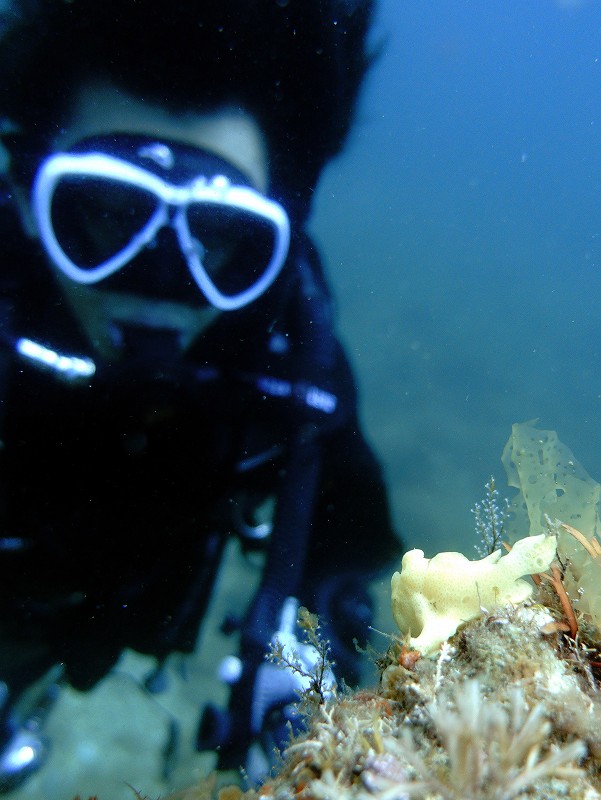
x=461, y=230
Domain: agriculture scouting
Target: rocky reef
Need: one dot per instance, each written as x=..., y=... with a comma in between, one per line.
x=491, y=689
x=507, y=703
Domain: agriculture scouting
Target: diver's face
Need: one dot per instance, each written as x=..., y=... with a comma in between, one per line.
x=161, y=294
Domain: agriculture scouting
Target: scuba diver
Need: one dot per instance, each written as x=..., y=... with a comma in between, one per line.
x=170, y=374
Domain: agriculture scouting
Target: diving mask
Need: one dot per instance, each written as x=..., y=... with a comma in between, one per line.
x=103, y=203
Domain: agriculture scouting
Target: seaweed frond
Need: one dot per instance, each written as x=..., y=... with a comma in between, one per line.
x=316, y=673
x=489, y=519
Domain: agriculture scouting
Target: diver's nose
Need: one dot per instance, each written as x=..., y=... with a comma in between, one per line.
x=159, y=271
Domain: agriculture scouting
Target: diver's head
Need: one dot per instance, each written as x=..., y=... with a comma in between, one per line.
x=295, y=66
x=245, y=100
x=155, y=219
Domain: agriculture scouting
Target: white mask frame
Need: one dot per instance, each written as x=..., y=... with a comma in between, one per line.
x=217, y=191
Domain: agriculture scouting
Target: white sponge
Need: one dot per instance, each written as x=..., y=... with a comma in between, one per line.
x=432, y=597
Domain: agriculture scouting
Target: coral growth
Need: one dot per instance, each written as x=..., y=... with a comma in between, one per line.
x=501, y=713
x=508, y=703
x=508, y=707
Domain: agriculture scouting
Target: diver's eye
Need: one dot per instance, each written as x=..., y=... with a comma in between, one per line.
x=95, y=218
x=236, y=245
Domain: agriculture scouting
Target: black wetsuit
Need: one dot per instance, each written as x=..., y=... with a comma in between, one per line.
x=117, y=491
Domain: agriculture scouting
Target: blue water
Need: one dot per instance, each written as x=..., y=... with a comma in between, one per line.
x=461, y=229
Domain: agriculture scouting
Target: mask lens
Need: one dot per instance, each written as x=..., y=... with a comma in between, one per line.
x=95, y=218
x=235, y=246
